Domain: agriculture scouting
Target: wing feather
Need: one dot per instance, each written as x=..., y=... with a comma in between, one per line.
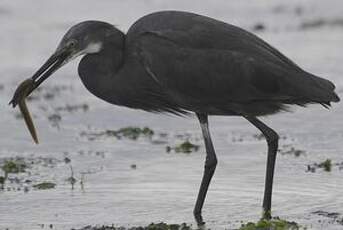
x=210, y=75
x=204, y=64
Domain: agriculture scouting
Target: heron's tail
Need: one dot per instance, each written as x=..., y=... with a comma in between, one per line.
x=320, y=90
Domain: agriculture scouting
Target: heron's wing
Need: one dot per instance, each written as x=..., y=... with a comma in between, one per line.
x=217, y=74
x=196, y=77
x=200, y=32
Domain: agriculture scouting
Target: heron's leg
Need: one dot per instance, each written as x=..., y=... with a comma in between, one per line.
x=272, y=139
x=210, y=166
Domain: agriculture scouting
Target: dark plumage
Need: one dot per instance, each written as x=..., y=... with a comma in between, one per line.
x=178, y=62
x=183, y=63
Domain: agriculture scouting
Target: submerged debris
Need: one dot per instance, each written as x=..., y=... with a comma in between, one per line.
x=18, y=171
x=185, y=147
x=67, y=160
x=152, y=226
x=258, y=27
x=72, y=181
x=327, y=214
x=55, y=119
x=334, y=216
x=73, y=108
x=2, y=182
x=321, y=23
x=133, y=166
x=325, y=165
x=20, y=164
x=13, y=166
x=132, y=133
x=287, y=9
x=290, y=150
x=243, y=137
x=44, y=185
x=273, y=224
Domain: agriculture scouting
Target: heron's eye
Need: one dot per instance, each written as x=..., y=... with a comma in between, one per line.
x=72, y=43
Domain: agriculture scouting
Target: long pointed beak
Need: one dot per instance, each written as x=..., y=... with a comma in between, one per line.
x=48, y=68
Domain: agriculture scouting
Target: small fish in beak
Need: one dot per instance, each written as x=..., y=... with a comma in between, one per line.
x=73, y=44
x=20, y=94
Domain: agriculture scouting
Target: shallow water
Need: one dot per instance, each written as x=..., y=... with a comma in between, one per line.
x=164, y=186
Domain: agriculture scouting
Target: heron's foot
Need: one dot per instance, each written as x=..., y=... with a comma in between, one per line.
x=266, y=215
x=199, y=220
x=202, y=227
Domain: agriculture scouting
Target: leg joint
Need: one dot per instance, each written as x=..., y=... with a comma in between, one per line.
x=211, y=163
x=272, y=137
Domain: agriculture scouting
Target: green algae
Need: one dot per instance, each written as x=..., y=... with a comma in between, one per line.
x=273, y=224
x=44, y=185
x=185, y=147
x=132, y=133
x=13, y=166
x=326, y=165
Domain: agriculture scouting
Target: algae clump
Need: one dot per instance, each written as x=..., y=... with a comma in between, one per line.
x=13, y=167
x=185, y=147
x=272, y=224
x=326, y=165
x=44, y=185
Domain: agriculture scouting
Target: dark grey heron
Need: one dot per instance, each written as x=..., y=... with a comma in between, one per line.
x=183, y=63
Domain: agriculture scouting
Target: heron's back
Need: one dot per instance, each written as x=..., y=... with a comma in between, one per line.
x=268, y=80
x=207, y=33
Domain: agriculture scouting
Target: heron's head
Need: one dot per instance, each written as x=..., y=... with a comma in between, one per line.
x=86, y=37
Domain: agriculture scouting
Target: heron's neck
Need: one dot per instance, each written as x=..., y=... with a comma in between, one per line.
x=97, y=71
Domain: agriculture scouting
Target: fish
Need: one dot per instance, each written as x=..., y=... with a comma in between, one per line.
x=22, y=91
